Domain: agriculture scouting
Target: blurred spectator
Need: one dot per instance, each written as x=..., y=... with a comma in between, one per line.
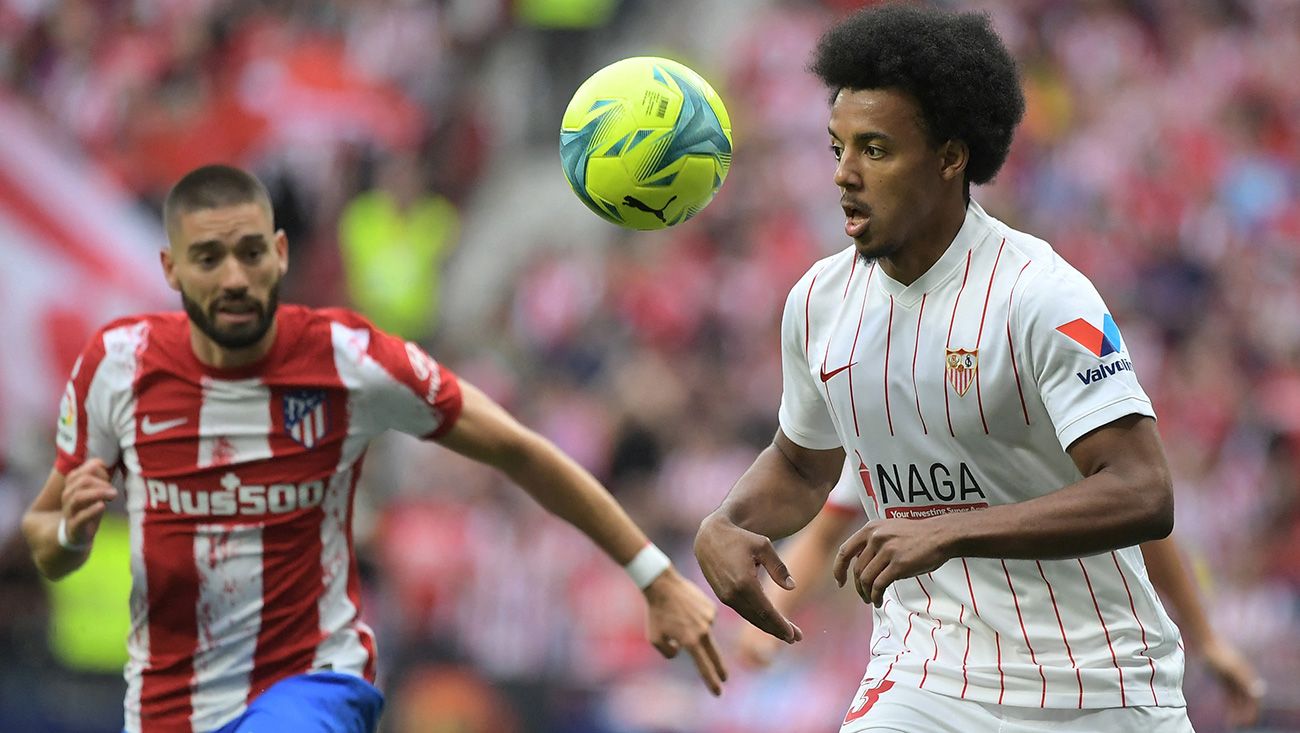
x=394, y=239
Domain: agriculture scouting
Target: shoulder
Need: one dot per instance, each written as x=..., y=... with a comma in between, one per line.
x=122, y=341
x=821, y=278
x=1043, y=274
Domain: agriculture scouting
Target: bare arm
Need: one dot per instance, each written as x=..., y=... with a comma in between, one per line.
x=679, y=613
x=1168, y=572
x=1125, y=498
x=81, y=497
x=780, y=493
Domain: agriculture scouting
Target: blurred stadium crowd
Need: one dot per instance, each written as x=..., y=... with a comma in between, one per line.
x=411, y=148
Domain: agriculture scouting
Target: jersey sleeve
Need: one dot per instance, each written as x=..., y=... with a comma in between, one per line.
x=845, y=498
x=803, y=415
x=1076, y=355
x=394, y=384
x=84, y=428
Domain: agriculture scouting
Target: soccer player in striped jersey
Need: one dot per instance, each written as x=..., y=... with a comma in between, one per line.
x=239, y=427
x=980, y=386
x=808, y=558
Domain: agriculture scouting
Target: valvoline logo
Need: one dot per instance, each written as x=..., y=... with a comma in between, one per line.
x=1102, y=342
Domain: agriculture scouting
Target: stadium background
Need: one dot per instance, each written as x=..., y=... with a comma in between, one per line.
x=1159, y=154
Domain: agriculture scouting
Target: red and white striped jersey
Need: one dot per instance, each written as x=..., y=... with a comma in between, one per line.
x=960, y=391
x=239, y=486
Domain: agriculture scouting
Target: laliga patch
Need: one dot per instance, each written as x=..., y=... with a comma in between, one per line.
x=66, y=435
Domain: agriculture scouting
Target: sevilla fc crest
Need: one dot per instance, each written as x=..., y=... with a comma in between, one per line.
x=962, y=365
x=306, y=418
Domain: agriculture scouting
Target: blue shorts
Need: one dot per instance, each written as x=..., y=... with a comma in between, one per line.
x=322, y=702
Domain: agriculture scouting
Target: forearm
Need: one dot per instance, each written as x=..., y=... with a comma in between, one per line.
x=774, y=498
x=1101, y=512
x=570, y=492
x=40, y=528
x=1169, y=575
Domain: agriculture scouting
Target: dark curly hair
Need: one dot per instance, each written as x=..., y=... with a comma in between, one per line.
x=954, y=65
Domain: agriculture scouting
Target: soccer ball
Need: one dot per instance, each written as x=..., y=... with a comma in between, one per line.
x=645, y=143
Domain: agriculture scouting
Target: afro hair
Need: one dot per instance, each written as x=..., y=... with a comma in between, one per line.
x=954, y=65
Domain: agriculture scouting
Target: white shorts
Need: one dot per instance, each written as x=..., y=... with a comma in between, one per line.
x=885, y=707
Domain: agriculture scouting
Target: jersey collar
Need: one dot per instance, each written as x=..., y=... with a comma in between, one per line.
x=953, y=261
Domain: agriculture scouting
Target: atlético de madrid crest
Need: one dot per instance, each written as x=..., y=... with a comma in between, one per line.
x=962, y=365
x=306, y=417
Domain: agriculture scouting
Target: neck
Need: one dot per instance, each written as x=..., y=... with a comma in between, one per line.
x=916, y=257
x=209, y=353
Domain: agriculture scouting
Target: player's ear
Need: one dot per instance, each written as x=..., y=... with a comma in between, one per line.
x=953, y=157
x=282, y=250
x=169, y=268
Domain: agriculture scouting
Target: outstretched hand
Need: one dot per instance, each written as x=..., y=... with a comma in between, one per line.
x=730, y=558
x=887, y=550
x=678, y=615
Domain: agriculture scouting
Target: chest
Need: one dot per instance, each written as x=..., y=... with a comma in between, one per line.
x=913, y=366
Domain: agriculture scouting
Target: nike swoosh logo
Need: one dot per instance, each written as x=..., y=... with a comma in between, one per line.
x=149, y=427
x=826, y=376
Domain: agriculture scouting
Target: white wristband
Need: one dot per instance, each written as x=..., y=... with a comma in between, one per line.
x=64, y=542
x=648, y=564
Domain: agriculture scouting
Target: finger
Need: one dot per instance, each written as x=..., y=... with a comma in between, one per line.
x=776, y=569
x=79, y=500
x=712, y=650
x=91, y=467
x=851, y=548
x=704, y=665
x=757, y=608
x=882, y=582
x=667, y=647
x=865, y=571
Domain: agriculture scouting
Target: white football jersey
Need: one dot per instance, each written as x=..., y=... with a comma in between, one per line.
x=959, y=392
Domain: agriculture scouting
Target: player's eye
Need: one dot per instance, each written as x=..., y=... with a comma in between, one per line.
x=874, y=152
x=837, y=151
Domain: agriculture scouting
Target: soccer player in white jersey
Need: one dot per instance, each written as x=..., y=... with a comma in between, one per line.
x=809, y=553
x=239, y=428
x=985, y=395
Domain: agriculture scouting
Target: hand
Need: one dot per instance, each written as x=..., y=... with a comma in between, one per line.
x=757, y=648
x=1243, y=685
x=679, y=614
x=730, y=557
x=887, y=550
x=86, y=493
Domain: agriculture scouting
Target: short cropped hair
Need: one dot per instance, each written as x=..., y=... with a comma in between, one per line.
x=213, y=187
x=956, y=68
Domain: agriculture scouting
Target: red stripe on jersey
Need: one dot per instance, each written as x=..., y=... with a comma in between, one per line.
x=1114, y=660
x=852, y=269
x=90, y=360
x=970, y=587
x=948, y=342
x=965, y=682
x=1141, y=626
x=1012, y=347
x=925, y=671
x=889, y=339
x=807, y=306
x=1069, y=652
x=866, y=292
x=1042, y=702
x=979, y=336
x=915, y=346
x=171, y=577
x=1002, y=680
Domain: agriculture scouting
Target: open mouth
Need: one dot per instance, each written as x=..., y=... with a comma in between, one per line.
x=856, y=219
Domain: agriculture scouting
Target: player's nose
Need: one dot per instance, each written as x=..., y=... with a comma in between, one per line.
x=846, y=176
x=233, y=275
